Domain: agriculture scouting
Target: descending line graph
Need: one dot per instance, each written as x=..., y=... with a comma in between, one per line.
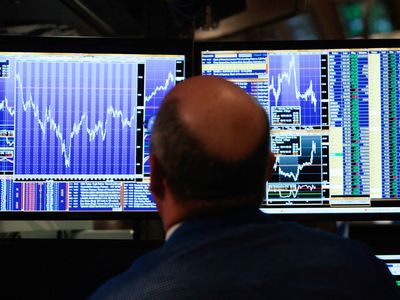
x=297, y=176
x=295, y=81
x=77, y=118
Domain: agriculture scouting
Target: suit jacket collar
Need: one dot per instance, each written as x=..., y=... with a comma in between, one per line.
x=196, y=227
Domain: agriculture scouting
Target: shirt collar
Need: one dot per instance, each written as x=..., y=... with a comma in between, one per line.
x=171, y=230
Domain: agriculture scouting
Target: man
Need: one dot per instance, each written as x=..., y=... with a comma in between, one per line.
x=210, y=160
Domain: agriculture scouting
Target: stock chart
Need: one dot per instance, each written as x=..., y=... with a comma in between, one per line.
x=75, y=129
x=333, y=116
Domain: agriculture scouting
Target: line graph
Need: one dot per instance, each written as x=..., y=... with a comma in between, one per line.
x=294, y=194
x=279, y=165
x=295, y=81
x=100, y=128
x=75, y=118
x=296, y=176
x=160, y=78
x=6, y=107
x=169, y=82
x=6, y=141
x=293, y=191
x=303, y=168
x=7, y=112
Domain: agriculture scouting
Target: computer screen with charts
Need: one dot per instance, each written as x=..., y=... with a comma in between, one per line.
x=75, y=121
x=334, y=113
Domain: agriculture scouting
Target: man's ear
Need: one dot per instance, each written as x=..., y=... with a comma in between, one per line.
x=271, y=162
x=156, y=178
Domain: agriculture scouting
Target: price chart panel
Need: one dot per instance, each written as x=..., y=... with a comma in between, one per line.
x=333, y=115
x=75, y=129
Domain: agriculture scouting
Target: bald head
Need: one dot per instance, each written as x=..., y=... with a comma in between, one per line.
x=210, y=143
x=224, y=119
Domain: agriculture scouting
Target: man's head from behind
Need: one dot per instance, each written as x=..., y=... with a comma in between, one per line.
x=209, y=150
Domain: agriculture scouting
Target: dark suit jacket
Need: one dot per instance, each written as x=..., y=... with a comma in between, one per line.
x=250, y=255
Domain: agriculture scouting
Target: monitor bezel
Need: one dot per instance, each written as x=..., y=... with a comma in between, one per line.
x=100, y=45
x=201, y=46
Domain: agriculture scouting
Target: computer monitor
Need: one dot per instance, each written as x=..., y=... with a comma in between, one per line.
x=392, y=261
x=75, y=123
x=334, y=114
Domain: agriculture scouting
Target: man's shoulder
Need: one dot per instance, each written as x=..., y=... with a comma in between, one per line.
x=257, y=251
x=132, y=280
x=263, y=230
x=260, y=241
x=282, y=246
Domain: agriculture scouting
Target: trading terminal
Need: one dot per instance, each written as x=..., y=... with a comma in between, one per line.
x=76, y=116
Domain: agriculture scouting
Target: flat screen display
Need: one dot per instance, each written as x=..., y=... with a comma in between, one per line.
x=76, y=119
x=334, y=115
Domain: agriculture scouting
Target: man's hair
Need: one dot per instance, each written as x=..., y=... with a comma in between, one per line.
x=195, y=175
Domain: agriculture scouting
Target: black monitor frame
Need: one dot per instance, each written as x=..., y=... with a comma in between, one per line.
x=199, y=47
x=99, y=45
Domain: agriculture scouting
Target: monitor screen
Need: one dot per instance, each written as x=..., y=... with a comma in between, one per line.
x=75, y=121
x=334, y=114
x=393, y=264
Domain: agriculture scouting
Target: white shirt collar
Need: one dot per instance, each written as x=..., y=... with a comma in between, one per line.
x=171, y=230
